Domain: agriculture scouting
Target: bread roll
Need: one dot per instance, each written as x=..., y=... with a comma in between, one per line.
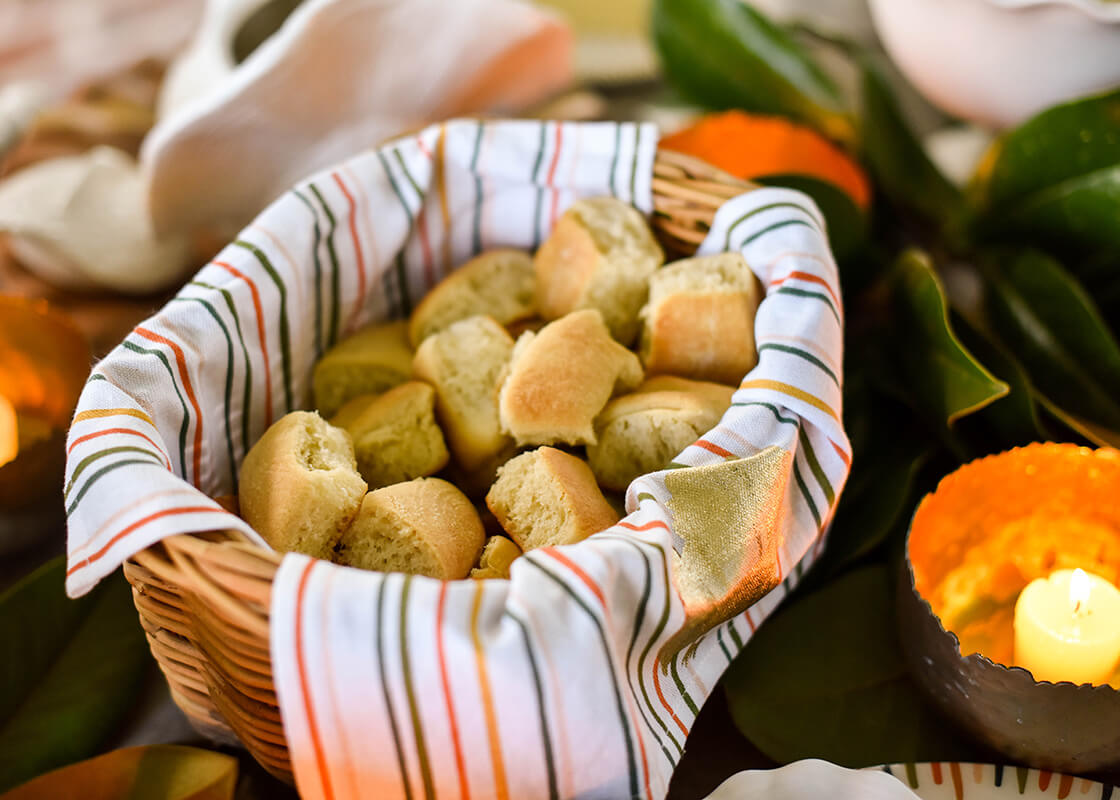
x=300, y=486
x=395, y=434
x=699, y=322
x=547, y=497
x=600, y=255
x=465, y=363
x=498, y=283
x=497, y=556
x=371, y=361
x=422, y=527
x=641, y=432
x=560, y=379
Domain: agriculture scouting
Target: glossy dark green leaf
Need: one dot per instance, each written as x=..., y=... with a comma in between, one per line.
x=69, y=671
x=1081, y=213
x=725, y=54
x=1063, y=142
x=1046, y=319
x=940, y=379
x=897, y=160
x=155, y=772
x=1012, y=420
x=826, y=679
x=847, y=225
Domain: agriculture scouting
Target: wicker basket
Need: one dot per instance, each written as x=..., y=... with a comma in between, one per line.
x=204, y=599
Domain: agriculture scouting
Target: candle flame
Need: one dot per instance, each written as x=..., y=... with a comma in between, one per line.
x=1078, y=589
x=9, y=432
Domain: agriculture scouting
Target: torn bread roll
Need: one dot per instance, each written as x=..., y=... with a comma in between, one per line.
x=421, y=527
x=642, y=431
x=600, y=255
x=299, y=484
x=546, y=497
x=373, y=360
x=699, y=322
x=465, y=364
x=395, y=434
x=560, y=379
x=500, y=284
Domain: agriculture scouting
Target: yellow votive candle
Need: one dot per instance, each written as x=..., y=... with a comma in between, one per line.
x=1067, y=628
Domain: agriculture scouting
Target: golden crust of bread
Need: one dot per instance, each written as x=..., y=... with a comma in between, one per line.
x=600, y=255
x=546, y=497
x=643, y=431
x=422, y=527
x=465, y=364
x=395, y=434
x=562, y=377
x=299, y=484
x=373, y=360
x=699, y=322
x=498, y=283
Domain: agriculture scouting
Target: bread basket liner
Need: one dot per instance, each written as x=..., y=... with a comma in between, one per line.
x=580, y=676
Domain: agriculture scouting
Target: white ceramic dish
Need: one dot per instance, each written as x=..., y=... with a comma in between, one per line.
x=998, y=62
x=811, y=779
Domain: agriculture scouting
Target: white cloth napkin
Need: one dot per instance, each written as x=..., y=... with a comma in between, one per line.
x=339, y=76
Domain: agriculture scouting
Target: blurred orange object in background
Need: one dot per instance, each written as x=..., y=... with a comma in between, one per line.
x=753, y=146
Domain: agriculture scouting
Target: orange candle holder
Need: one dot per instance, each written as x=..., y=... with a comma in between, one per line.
x=990, y=529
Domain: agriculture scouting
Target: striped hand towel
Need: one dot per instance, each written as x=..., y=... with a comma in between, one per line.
x=582, y=675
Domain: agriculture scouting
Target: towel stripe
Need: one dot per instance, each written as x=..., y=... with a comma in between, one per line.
x=122, y=432
x=359, y=298
x=413, y=708
x=229, y=382
x=167, y=512
x=247, y=392
x=549, y=760
x=453, y=722
x=620, y=706
x=379, y=630
x=186, y=421
x=262, y=335
x=181, y=362
x=336, y=291
x=493, y=737
x=315, y=242
x=285, y=334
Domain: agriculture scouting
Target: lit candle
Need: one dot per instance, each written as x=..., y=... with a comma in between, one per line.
x=1067, y=628
x=9, y=432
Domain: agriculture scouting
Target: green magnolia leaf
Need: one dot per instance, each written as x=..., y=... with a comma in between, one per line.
x=725, y=54
x=899, y=163
x=1043, y=316
x=155, y=772
x=1013, y=420
x=940, y=379
x=68, y=670
x=1067, y=141
x=1056, y=179
x=825, y=678
x=847, y=225
x=1081, y=213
